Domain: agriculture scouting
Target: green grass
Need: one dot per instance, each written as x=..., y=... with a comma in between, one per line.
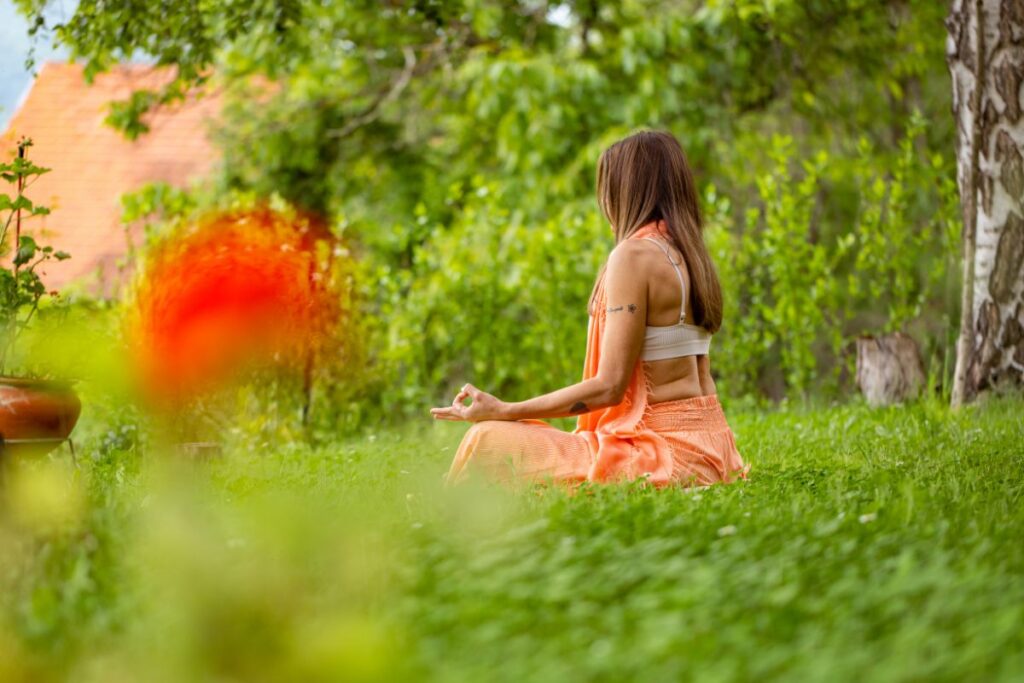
x=867, y=545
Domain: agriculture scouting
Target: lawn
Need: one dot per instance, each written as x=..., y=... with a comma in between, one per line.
x=867, y=544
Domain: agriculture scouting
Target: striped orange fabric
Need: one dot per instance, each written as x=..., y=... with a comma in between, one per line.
x=686, y=441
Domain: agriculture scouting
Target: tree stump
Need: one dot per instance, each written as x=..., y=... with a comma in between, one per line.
x=889, y=368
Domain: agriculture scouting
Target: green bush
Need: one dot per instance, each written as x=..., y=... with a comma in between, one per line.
x=454, y=153
x=830, y=248
x=491, y=299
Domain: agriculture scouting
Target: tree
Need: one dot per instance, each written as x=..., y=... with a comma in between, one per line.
x=985, y=51
x=452, y=143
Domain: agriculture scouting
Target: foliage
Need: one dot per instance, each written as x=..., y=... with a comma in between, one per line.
x=431, y=132
x=484, y=145
x=801, y=284
x=867, y=544
x=782, y=309
x=21, y=288
x=187, y=36
x=897, y=263
x=490, y=297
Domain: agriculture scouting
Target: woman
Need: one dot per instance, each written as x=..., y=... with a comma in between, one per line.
x=647, y=405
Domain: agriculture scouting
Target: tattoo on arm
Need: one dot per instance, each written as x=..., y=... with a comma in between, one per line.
x=631, y=308
x=614, y=310
x=579, y=407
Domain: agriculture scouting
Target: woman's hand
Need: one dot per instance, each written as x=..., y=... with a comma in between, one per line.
x=483, y=407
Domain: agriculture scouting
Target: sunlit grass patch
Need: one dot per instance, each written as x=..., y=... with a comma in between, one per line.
x=878, y=544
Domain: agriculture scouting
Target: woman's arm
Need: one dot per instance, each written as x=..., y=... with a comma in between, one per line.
x=626, y=316
x=626, y=294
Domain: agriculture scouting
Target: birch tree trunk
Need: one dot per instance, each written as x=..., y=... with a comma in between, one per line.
x=985, y=52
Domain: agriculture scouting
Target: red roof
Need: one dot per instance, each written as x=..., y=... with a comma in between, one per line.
x=93, y=164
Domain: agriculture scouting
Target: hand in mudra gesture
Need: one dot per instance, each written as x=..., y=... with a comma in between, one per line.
x=484, y=406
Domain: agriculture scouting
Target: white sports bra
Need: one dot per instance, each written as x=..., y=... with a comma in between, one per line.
x=675, y=341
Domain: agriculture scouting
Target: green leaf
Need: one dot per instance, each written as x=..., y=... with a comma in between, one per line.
x=26, y=250
x=62, y=256
x=22, y=202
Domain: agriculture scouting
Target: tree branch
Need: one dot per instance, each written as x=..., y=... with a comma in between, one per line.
x=384, y=97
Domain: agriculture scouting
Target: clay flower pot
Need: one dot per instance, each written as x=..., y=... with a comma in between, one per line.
x=36, y=415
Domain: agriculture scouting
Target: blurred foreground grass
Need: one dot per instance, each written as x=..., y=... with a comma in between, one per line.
x=867, y=545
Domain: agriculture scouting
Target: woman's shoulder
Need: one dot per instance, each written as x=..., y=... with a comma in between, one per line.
x=632, y=254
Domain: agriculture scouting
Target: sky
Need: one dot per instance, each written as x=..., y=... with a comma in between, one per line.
x=14, y=45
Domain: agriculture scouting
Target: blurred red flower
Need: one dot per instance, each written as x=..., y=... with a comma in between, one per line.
x=233, y=291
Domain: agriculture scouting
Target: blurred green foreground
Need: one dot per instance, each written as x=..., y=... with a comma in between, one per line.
x=866, y=545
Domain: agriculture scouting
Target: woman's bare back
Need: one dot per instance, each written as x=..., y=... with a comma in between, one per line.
x=672, y=378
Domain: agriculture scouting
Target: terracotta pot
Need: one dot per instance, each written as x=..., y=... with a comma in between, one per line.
x=36, y=415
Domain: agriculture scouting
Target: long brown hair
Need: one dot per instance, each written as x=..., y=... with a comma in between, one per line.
x=645, y=178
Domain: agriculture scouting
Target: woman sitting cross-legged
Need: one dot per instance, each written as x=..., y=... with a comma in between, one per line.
x=647, y=405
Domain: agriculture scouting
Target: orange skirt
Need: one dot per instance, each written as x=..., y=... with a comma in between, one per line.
x=691, y=436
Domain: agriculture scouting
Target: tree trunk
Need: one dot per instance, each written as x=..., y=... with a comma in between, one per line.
x=889, y=368
x=986, y=62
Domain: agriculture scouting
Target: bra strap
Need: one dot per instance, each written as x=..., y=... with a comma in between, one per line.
x=679, y=274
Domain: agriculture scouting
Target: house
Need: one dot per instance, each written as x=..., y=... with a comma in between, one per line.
x=93, y=164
